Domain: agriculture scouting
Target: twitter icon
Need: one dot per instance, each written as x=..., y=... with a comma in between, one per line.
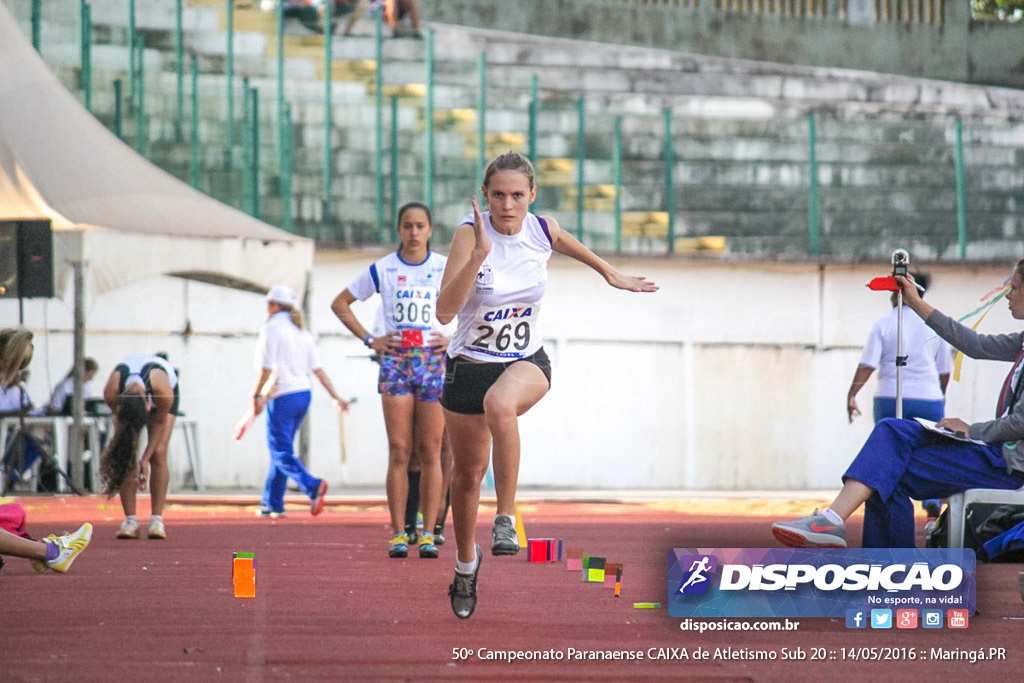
x=881, y=618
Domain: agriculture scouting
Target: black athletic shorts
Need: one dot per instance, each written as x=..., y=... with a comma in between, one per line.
x=466, y=381
x=124, y=372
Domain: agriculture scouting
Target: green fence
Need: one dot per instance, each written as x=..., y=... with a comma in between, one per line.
x=336, y=132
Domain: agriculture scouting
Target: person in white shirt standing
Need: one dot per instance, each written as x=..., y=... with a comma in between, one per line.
x=496, y=367
x=928, y=362
x=286, y=354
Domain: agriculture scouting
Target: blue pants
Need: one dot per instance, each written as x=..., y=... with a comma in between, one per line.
x=913, y=407
x=284, y=415
x=902, y=460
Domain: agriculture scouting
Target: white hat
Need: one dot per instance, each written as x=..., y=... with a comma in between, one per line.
x=282, y=294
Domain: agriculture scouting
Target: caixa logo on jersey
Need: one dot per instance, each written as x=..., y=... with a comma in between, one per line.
x=819, y=582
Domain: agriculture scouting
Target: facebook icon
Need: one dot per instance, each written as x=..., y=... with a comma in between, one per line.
x=855, y=618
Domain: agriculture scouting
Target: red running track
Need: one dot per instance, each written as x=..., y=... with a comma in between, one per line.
x=330, y=605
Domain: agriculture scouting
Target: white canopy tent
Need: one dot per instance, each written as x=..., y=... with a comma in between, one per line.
x=123, y=216
x=117, y=215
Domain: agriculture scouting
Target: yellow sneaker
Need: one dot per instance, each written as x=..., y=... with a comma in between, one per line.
x=399, y=546
x=426, y=546
x=69, y=547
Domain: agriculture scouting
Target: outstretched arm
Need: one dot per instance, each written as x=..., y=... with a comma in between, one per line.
x=564, y=243
x=912, y=297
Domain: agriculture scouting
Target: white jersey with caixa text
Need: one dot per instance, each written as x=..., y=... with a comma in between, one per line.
x=499, y=320
x=408, y=294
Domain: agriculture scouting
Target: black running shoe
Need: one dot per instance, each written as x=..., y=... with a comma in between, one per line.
x=504, y=540
x=462, y=590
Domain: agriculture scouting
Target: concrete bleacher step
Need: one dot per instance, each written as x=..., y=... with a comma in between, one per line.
x=740, y=129
x=249, y=18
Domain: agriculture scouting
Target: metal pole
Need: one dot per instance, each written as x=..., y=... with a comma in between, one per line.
x=617, y=181
x=193, y=166
x=130, y=44
x=670, y=195
x=481, y=118
x=961, y=199
x=179, y=68
x=328, y=115
x=140, y=111
x=229, y=73
x=247, y=201
x=899, y=354
x=532, y=136
x=118, y=108
x=280, y=85
x=255, y=133
x=37, y=20
x=581, y=156
x=86, y=56
x=394, y=159
x=378, y=83
x=286, y=166
x=78, y=398
x=428, y=161
x=812, y=190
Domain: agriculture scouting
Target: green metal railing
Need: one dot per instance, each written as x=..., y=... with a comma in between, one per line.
x=140, y=94
x=581, y=160
x=481, y=117
x=812, y=186
x=130, y=43
x=597, y=151
x=378, y=91
x=252, y=149
x=229, y=74
x=428, y=117
x=193, y=165
x=961, y=210
x=37, y=22
x=670, y=186
x=85, y=57
x=179, y=72
x=328, y=169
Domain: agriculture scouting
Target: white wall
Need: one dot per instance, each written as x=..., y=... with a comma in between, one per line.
x=732, y=376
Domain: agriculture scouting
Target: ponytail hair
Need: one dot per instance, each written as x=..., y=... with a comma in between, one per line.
x=297, y=318
x=119, y=458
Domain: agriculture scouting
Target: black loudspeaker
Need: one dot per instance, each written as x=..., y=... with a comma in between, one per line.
x=26, y=258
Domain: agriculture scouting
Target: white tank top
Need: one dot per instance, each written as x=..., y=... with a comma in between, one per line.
x=408, y=293
x=499, y=321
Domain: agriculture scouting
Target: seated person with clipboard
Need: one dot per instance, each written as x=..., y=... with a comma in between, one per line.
x=902, y=459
